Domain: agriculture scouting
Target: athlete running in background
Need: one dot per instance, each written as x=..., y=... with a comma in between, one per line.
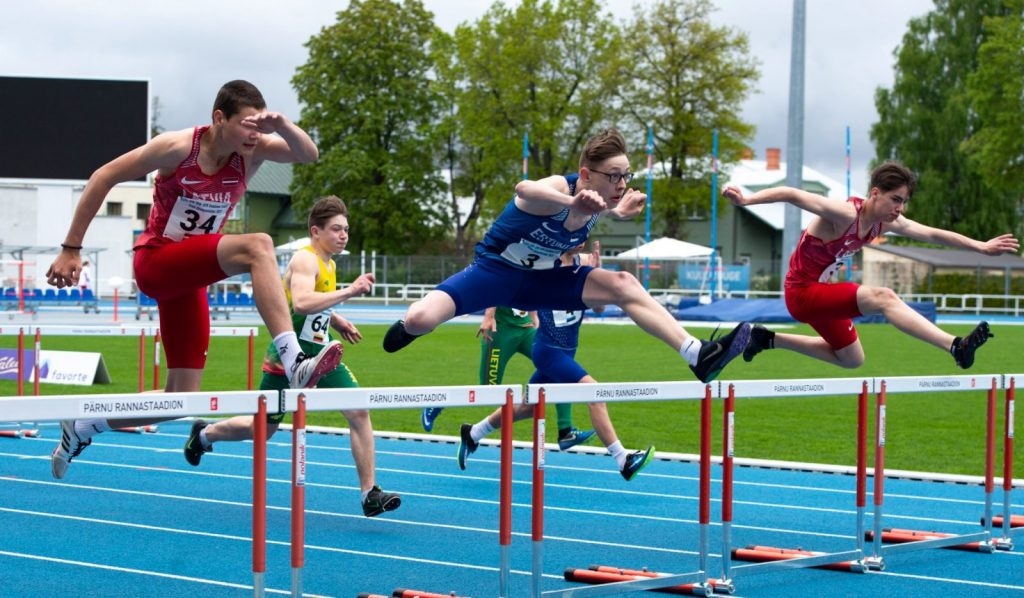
x=505, y=332
x=311, y=287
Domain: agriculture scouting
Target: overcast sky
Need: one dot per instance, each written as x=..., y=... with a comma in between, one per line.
x=188, y=48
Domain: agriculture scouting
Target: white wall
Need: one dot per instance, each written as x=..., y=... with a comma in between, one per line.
x=38, y=214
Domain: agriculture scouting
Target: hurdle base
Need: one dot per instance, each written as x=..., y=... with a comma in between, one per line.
x=722, y=586
x=936, y=539
x=602, y=574
x=997, y=521
x=770, y=554
x=405, y=593
x=874, y=563
x=20, y=433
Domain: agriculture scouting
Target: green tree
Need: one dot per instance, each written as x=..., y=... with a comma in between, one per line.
x=927, y=114
x=685, y=79
x=996, y=92
x=368, y=103
x=549, y=69
x=458, y=161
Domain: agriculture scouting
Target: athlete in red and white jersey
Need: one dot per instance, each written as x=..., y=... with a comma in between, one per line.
x=816, y=260
x=190, y=202
x=201, y=174
x=838, y=231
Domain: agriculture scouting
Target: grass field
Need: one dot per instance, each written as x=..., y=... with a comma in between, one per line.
x=936, y=432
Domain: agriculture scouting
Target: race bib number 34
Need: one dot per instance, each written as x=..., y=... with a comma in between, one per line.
x=192, y=216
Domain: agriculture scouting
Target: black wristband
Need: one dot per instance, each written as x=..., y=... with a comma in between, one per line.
x=65, y=246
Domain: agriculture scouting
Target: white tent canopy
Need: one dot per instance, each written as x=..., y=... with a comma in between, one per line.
x=666, y=248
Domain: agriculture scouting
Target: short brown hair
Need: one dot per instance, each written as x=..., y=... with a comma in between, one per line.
x=238, y=94
x=890, y=175
x=324, y=209
x=606, y=144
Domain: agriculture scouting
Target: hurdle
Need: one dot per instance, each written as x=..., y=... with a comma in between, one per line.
x=170, y=406
x=768, y=558
x=539, y=394
x=299, y=401
x=249, y=332
x=903, y=540
x=1009, y=524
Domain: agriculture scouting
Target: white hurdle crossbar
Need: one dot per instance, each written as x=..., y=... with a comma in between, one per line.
x=298, y=401
x=170, y=405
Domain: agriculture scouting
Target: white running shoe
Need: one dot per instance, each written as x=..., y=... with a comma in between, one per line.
x=308, y=369
x=71, y=445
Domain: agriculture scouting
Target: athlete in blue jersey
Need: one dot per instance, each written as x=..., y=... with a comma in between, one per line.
x=517, y=262
x=554, y=356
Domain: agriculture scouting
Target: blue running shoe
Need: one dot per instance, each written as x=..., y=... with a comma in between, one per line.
x=716, y=354
x=635, y=462
x=467, y=446
x=428, y=416
x=572, y=437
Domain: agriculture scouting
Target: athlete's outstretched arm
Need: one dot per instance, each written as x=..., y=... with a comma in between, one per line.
x=829, y=209
x=1005, y=243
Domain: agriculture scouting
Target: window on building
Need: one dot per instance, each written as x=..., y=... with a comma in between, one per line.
x=114, y=208
x=142, y=211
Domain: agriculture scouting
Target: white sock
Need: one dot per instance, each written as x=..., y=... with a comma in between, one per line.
x=87, y=428
x=481, y=429
x=616, y=450
x=365, y=494
x=288, y=348
x=207, y=445
x=690, y=349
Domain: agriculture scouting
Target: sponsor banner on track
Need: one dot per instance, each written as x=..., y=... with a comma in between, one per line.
x=77, y=368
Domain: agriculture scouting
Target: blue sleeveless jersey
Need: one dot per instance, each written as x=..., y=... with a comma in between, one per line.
x=528, y=242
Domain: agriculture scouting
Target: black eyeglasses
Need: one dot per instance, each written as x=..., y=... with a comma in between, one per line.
x=615, y=177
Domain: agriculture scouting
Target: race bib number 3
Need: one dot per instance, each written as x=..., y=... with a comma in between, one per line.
x=191, y=217
x=531, y=256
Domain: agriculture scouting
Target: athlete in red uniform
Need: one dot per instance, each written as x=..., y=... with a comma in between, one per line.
x=840, y=230
x=201, y=174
